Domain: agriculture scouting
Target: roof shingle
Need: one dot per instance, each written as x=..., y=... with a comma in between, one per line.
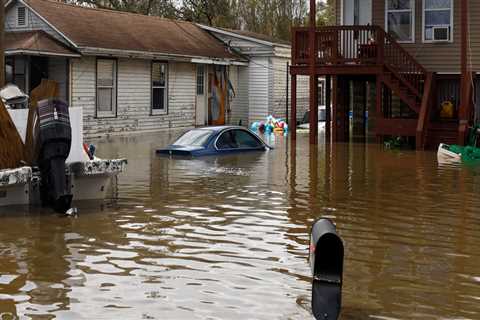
x=109, y=29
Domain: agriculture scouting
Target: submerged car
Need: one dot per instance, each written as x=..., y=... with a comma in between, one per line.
x=215, y=140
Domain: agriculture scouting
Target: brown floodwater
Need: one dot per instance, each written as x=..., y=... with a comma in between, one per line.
x=227, y=237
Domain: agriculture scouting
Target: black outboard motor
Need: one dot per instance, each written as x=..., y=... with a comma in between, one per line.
x=54, y=140
x=326, y=261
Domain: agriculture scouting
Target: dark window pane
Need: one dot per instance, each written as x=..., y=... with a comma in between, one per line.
x=399, y=4
x=159, y=74
x=227, y=141
x=105, y=99
x=246, y=140
x=200, y=80
x=435, y=18
x=400, y=25
x=158, y=98
x=437, y=4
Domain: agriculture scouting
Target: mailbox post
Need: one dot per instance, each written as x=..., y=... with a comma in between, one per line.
x=326, y=262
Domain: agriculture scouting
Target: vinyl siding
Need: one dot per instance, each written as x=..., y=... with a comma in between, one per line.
x=437, y=57
x=239, y=104
x=33, y=22
x=258, y=89
x=58, y=71
x=134, y=101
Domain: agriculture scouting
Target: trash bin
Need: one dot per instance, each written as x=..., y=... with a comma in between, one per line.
x=326, y=262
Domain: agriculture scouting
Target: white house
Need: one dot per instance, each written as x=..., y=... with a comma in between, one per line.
x=129, y=72
x=263, y=84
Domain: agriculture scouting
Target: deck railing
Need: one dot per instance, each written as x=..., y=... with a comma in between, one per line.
x=358, y=45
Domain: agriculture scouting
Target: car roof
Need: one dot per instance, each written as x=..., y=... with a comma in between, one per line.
x=220, y=128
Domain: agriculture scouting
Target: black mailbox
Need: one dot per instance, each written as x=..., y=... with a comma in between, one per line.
x=326, y=262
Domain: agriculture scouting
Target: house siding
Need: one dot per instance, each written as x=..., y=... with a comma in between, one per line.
x=437, y=57
x=134, y=97
x=34, y=22
x=58, y=71
x=239, y=104
x=258, y=89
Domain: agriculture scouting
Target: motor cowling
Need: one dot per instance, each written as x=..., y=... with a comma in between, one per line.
x=326, y=262
x=54, y=141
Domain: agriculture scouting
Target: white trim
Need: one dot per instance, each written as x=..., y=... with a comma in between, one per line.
x=411, y=10
x=452, y=23
x=48, y=23
x=40, y=53
x=342, y=5
x=118, y=53
x=114, y=88
x=239, y=36
x=164, y=111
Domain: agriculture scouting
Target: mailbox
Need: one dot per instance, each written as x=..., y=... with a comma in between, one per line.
x=326, y=262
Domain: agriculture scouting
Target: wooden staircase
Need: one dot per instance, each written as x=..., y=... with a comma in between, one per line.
x=369, y=50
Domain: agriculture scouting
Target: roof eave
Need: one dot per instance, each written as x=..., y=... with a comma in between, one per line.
x=119, y=53
x=40, y=53
x=239, y=36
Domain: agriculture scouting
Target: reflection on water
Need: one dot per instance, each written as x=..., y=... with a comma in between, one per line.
x=226, y=238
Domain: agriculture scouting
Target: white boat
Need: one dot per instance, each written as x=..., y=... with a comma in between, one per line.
x=88, y=178
x=444, y=155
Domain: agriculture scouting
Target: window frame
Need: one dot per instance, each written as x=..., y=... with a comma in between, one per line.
x=164, y=111
x=114, y=112
x=260, y=141
x=451, y=26
x=412, y=12
x=26, y=17
x=202, y=67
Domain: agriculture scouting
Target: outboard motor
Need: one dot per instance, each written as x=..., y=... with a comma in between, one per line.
x=54, y=140
x=326, y=262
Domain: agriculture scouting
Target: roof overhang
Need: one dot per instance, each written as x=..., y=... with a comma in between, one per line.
x=117, y=53
x=36, y=43
x=243, y=37
x=39, y=53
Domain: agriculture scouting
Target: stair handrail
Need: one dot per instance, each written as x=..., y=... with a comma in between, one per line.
x=414, y=73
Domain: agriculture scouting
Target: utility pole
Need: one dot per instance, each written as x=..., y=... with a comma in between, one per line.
x=2, y=44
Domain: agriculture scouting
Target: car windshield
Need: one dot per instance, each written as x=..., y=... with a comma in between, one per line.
x=197, y=138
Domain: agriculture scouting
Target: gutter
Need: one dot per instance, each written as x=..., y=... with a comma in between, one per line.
x=156, y=56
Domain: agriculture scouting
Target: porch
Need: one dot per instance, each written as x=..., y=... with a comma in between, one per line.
x=405, y=95
x=32, y=56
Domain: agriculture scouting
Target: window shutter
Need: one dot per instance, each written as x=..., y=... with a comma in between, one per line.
x=21, y=16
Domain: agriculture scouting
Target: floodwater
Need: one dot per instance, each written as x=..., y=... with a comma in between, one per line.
x=227, y=238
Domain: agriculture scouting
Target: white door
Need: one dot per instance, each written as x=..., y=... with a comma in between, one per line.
x=201, y=107
x=357, y=12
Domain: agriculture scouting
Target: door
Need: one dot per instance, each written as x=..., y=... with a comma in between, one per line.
x=201, y=107
x=217, y=95
x=357, y=12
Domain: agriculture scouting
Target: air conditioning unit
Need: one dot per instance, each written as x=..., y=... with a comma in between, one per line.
x=441, y=33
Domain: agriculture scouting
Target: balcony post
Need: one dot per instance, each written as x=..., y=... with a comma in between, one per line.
x=293, y=115
x=380, y=39
x=313, y=53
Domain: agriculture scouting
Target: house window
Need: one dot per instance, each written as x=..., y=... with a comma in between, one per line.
x=437, y=20
x=106, y=87
x=159, y=88
x=21, y=17
x=400, y=19
x=200, y=80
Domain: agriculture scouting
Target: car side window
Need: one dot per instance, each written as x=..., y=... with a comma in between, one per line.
x=227, y=140
x=245, y=139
